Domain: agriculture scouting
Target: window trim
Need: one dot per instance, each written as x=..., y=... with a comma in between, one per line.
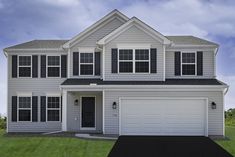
x=93, y=64
x=195, y=63
x=18, y=107
x=53, y=66
x=18, y=66
x=53, y=95
x=133, y=61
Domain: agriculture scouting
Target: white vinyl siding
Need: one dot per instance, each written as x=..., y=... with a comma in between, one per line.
x=36, y=86
x=208, y=65
x=91, y=40
x=134, y=36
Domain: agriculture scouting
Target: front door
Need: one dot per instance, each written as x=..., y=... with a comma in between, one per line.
x=88, y=113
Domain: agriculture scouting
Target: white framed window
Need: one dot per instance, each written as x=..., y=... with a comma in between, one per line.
x=188, y=63
x=86, y=63
x=53, y=108
x=24, y=66
x=142, y=61
x=134, y=61
x=53, y=66
x=24, y=108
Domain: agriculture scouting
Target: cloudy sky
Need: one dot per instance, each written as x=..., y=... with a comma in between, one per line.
x=24, y=20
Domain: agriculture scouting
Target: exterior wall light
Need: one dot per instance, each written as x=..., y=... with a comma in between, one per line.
x=76, y=102
x=114, y=106
x=213, y=105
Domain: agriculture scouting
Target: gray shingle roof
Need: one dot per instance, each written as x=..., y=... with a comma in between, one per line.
x=39, y=44
x=51, y=44
x=190, y=40
x=167, y=82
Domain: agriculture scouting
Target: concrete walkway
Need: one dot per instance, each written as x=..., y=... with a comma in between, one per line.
x=101, y=137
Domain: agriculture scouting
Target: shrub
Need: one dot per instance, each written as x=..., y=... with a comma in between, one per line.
x=3, y=122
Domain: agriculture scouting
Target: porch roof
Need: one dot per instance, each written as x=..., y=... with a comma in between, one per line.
x=74, y=81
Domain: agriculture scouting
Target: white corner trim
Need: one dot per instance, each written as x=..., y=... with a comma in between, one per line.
x=64, y=110
x=103, y=111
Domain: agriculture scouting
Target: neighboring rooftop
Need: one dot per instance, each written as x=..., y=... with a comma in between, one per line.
x=189, y=40
x=167, y=82
x=39, y=44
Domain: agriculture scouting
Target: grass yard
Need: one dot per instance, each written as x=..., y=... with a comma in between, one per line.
x=17, y=145
x=21, y=146
x=229, y=145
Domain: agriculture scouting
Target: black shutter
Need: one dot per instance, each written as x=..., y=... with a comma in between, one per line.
x=153, y=58
x=43, y=66
x=14, y=109
x=14, y=66
x=43, y=108
x=63, y=66
x=75, y=63
x=35, y=66
x=199, y=63
x=97, y=63
x=114, y=60
x=35, y=109
x=177, y=63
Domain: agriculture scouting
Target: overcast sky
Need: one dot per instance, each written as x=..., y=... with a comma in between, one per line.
x=24, y=20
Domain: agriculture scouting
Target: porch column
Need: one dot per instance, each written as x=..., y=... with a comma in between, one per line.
x=64, y=110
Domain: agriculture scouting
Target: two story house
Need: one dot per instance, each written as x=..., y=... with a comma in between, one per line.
x=119, y=76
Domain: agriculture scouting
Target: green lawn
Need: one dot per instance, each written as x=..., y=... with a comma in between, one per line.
x=229, y=145
x=12, y=146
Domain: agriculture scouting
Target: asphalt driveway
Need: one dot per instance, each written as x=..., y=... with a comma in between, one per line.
x=166, y=146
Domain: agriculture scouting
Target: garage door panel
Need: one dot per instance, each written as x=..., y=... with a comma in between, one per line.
x=162, y=117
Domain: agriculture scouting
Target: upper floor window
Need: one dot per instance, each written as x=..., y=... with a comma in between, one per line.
x=188, y=63
x=24, y=109
x=25, y=66
x=53, y=108
x=53, y=66
x=86, y=63
x=134, y=61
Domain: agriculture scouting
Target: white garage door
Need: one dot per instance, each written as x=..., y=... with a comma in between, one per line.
x=151, y=116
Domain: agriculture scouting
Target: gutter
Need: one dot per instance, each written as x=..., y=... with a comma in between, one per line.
x=5, y=52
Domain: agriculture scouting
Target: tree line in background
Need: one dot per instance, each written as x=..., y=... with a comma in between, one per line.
x=230, y=117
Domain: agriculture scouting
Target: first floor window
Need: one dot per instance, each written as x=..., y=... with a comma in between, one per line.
x=53, y=66
x=53, y=108
x=25, y=66
x=24, y=109
x=86, y=63
x=188, y=63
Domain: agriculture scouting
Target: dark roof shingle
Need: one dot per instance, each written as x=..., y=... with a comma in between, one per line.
x=167, y=82
x=39, y=44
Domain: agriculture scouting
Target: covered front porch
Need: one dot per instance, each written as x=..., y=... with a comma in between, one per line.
x=82, y=111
